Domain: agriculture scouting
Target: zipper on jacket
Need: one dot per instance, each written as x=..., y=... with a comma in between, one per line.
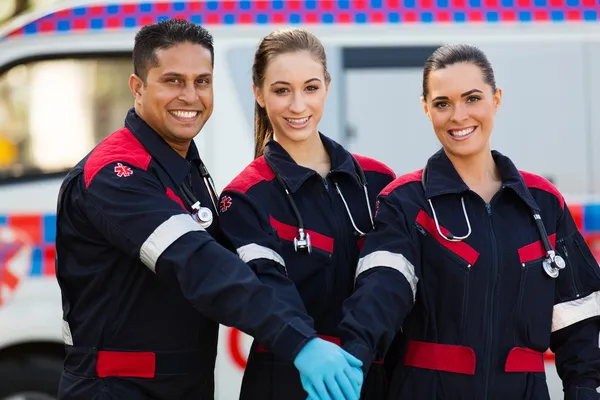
x=451, y=254
x=567, y=261
x=493, y=273
x=340, y=233
x=331, y=270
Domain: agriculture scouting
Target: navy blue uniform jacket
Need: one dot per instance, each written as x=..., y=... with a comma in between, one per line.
x=476, y=315
x=144, y=285
x=257, y=218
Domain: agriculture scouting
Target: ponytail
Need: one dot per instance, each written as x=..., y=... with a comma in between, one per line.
x=262, y=130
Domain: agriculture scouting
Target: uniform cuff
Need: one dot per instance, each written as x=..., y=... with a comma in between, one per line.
x=361, y=352
x=292, y=339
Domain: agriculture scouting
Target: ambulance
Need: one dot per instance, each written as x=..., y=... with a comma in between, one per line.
x=63, y=86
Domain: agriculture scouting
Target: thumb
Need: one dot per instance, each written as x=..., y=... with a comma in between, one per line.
x=353, y=361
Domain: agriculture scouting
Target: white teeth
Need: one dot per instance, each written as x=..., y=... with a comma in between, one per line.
x=184, y=114
x=297, y=121
x=462, y=132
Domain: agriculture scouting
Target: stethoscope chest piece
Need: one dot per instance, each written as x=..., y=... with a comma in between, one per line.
x=553, y=264
x=302, y=242
x=202, y=215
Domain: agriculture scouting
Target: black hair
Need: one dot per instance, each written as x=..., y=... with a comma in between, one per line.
x=164, y=35
x=451, y=54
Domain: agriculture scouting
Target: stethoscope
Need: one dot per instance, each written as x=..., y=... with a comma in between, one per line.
x=302, y=240
x=202, y=215
x=552, y=263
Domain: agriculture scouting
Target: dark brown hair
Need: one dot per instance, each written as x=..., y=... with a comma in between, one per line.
x=451, y=54
x=278, y=42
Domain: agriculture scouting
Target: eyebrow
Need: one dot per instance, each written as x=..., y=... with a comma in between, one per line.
x=462, y=95
x=180, y=75
x=287, y=83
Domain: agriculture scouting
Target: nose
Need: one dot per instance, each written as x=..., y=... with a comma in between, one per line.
x=460, y=112
x=188, y=93
x=298, y=105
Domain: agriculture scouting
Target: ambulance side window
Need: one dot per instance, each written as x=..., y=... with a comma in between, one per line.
x=53, y=112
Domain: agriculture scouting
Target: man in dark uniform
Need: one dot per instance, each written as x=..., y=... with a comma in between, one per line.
x=143, y=279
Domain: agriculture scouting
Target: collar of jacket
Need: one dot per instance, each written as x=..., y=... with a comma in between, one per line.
x=176, y=166
x=441, y=177
x=295, y=175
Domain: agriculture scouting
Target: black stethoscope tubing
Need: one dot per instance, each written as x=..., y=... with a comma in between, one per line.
x=302, y=241
x=202, y=215
x=552, y=263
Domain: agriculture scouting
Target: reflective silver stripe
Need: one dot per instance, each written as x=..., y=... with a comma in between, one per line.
x=571, y=312
x=164, y=236
x=66, y=333
x=389, y=260
x=254, y=251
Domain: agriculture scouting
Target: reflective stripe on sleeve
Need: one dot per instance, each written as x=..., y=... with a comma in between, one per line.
x=389, y=260
x=164, y=236
x=571, y=312
x=66, y=333
x=254, y=251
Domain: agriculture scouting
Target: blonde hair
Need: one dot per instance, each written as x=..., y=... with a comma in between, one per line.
x=287, y=40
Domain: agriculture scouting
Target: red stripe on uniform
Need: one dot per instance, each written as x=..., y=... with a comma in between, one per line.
x=534, y=250
x=361, y=243
x=401, y=181
x=119, y=146
x=461, y=249
x=440, y=357
x=256, y=172
x=126, y=364
x=534, y=181
x=521, y=359
x=371, y=165
x=289, y=232
x=171, y=194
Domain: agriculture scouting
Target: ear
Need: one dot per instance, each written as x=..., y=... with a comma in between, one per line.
x=497, y=99
x=425, y=107
x=258, y=95
x=136, y=85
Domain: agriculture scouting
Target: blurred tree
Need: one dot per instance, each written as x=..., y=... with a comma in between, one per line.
x=12, y=8
x=21, y=6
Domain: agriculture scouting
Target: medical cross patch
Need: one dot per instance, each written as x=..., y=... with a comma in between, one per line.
x=225, y=203
x=123, y=170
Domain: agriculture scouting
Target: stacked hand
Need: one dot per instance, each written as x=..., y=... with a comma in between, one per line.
x=329, y=373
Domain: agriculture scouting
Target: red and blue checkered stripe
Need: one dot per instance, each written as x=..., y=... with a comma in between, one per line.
x=41, y=231
x=291, y=12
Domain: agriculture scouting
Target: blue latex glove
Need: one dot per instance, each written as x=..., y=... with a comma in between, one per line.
x=329, y=373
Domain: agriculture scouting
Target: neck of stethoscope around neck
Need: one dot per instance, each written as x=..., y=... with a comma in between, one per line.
x=553, y=262
x=303, y=239
x=202, y=214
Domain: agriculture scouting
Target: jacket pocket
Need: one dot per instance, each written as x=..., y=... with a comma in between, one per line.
x=446, y=270
x=536, y=299
x=311, y=272
x=582, y=273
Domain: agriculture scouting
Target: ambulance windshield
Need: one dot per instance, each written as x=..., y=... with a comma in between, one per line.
x=52, y=112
